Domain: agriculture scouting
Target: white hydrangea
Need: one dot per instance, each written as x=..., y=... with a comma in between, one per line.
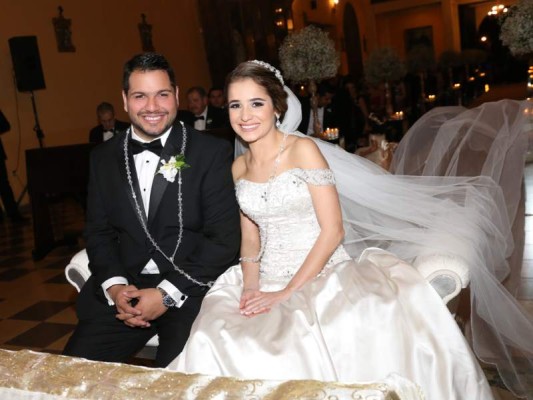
x=517, y=28
x=384, y=65
x=308, y=55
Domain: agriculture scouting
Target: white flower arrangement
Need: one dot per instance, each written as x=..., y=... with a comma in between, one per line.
x=308, y=55
x=517, y=28
x=420, y=59
x=384, y=65
x=169, y=169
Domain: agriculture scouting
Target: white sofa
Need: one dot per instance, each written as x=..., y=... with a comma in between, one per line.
x=447, y=275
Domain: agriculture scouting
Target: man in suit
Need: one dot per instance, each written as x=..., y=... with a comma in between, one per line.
x=216, y=97
x=108, y=125
x=6, y=193
x=326, y=114
x=203, y=116
x=155, y=240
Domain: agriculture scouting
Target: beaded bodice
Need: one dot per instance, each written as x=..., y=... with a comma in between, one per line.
x=284, y=213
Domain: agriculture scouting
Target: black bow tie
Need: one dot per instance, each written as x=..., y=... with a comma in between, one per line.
x=138, y=147
x=196, y=118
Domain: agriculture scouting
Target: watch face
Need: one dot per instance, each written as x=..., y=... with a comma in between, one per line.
x=168, y=301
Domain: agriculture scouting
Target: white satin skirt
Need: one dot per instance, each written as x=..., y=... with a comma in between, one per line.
x=360, y=321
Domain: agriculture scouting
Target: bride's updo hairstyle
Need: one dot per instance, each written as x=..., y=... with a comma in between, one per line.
x=264, y=75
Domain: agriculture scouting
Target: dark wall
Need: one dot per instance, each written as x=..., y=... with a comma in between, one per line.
x=240, y=30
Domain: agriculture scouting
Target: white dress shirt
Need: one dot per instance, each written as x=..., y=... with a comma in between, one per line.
x=310, y=129
x=107, y=135
x=199, y=124
x=146, y=165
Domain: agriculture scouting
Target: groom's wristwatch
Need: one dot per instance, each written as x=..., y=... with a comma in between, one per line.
x=167, y=300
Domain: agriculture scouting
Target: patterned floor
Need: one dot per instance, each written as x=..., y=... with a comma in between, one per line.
x=37, y=304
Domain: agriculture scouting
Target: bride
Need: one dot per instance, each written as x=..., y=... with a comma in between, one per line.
x=299, y=306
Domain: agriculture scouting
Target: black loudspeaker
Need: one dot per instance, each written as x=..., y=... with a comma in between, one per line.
x=26, y=63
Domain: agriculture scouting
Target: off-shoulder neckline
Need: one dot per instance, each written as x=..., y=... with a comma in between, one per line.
x=280, y=174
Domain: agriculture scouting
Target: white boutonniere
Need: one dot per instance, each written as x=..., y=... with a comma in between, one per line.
x=208, y=122
x=169, y=169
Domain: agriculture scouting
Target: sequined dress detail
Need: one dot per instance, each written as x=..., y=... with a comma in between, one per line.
x=284, y=212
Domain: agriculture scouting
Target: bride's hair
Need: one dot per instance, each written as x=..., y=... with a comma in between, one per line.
x=263, y=77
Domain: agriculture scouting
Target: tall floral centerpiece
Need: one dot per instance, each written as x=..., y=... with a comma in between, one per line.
x=384, y=66
x=420, y=59
x=517, y=34
x=308, y=56
x=517, y=28
x=448, y=60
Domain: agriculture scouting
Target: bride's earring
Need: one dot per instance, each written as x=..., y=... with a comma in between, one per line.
x=278, y=122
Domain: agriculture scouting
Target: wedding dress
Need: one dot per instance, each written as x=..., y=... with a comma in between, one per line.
x=358, y=321
x=467, y=218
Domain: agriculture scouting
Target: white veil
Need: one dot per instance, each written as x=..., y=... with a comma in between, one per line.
x=490, y=140
x=467, y=216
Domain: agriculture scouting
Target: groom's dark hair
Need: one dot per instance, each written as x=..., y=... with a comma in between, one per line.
x=146, y=62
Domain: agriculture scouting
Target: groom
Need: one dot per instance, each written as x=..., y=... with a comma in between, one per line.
x=155, y=240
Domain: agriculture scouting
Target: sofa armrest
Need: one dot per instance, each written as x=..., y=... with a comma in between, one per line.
x=77, y=271
x=447, y=274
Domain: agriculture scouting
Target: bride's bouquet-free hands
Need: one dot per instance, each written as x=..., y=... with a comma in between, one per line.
x=254, y=301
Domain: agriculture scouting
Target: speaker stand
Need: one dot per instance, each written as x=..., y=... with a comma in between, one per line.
x=40, y=137
x=37, y=127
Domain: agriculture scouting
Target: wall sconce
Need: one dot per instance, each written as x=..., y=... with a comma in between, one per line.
x=334, y=4
x=280, y=19
x=495, y=10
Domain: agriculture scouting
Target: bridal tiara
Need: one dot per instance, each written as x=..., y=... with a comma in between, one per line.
x=271, y=69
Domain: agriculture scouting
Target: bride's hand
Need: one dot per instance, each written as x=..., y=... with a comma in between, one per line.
x=258, y=302
x=247, y=295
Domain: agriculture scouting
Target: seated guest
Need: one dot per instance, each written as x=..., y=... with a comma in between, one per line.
x=326, y=113
x=203, y=117
x=216, y=97
x=108, y=125
x=379, y=150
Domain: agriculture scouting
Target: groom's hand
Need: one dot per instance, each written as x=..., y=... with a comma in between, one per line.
x=149, y=307
x=118, y=294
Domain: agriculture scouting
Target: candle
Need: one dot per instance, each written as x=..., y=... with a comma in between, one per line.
x=331, y=134
x=398, y=115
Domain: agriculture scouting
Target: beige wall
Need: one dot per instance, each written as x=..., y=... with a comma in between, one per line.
x=105, y=34
x=391, y=26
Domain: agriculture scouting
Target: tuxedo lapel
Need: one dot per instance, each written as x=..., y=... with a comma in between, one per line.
x=172, y=148
x=134, y=178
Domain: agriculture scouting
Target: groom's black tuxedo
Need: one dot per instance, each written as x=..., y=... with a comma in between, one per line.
x=118, y=246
